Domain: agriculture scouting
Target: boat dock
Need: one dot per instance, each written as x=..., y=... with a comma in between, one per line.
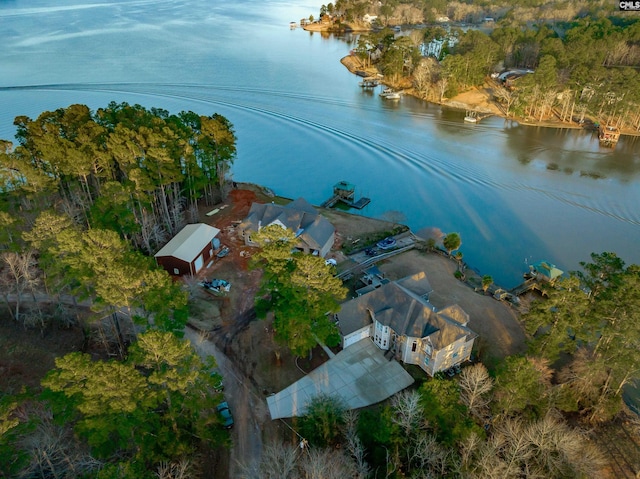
x=344, y=192
x=608, y=135
x=472, y=116
x=331, y=202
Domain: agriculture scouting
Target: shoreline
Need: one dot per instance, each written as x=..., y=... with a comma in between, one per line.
x=472, y=275
x=483, y=104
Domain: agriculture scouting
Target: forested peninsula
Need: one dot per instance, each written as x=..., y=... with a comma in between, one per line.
x=573, y=63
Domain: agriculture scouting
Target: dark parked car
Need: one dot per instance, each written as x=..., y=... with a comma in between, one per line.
x=225, y=415
x=386, y=243
x=370, y=252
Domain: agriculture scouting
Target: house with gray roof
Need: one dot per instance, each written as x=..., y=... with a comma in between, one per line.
x=399, y=318
x=315, y=234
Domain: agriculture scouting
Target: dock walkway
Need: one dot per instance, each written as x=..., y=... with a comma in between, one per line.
x=331, y=202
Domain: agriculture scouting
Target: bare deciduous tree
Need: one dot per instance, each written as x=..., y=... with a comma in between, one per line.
x=20, y=275
x=326, y=464
x=423, y=76
x=408, y=412
x=175, y=470
x=475, y=387
x=53, y=451
x=354, y=445
x=441, y=87
x=546, y=448
x=278, y=461
x=507, y=97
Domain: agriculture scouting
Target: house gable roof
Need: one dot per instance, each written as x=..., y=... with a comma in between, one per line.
x=189, y=242
x=406, y=313
x=298, y=216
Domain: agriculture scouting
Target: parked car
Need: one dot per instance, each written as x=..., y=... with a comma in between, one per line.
x=225, y=415
x=331, y=262
x=218, y=382
x=386, y=243
x=370, y=252
x=216, y=285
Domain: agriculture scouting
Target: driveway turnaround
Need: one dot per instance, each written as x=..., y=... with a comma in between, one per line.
x=360, y=374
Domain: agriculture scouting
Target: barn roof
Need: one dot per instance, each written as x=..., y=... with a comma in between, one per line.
x=189, y=242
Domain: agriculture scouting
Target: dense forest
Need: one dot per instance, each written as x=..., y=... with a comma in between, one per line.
x=124, y=168
x=583, y=56
x=85, y=199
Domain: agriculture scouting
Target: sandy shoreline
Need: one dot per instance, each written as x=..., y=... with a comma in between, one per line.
x=478, y=99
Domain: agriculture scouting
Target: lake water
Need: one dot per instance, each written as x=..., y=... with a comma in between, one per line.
x=515, y=194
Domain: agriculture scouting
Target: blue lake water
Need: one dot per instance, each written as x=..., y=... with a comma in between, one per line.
x=515, y=194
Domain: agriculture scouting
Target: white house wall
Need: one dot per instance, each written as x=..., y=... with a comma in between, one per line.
x=382, y=335
x=409, y=356
x=456, y=353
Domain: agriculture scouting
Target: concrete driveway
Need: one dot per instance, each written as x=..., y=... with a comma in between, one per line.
x=359, y=374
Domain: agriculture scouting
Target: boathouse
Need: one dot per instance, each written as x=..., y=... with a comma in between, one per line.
x=608, y=135
x=345, y=190
x=545, y=271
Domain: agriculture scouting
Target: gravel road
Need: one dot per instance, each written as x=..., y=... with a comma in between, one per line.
x=248, y=407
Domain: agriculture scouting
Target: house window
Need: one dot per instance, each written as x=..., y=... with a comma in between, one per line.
x=455, y=355
x=414, y=346
x=426, y=361
x=384, y=343
x=427, y=349
x=176, y=271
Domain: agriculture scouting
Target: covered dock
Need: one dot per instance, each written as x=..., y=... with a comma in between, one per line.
x=345, y=192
